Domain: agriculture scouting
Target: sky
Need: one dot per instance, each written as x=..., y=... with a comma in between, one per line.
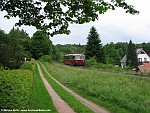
x=112, y=26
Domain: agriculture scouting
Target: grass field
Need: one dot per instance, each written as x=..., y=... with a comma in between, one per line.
x=117, y=93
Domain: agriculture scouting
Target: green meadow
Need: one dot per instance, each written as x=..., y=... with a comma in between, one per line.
x=118, y=93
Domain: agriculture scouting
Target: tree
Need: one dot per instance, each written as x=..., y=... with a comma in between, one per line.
x=122, y=48
x=3, y=37
x=13, y=48
x=132, y=60
x=111, y=54
x=5, y=50
x=94, y=46
x=17, y=39
x=40, y=45
x=54, y=16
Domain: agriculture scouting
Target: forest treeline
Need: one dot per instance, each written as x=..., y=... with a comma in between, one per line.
x=17, y=46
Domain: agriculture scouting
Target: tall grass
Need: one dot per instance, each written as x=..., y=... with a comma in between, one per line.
x=118, y=93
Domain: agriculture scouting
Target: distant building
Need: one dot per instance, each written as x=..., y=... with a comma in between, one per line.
x=142, y=56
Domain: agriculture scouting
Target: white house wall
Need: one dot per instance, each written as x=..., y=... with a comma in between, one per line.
x=142, y=56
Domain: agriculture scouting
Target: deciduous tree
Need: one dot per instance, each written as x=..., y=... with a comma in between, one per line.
x=111, y=54
x=40, y=45
x=54, y=16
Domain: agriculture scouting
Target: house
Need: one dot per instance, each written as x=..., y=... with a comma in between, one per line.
x=141, y=55
x=143, y=68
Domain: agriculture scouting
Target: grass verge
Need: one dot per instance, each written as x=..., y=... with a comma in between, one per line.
x=40, y=99
x=67, y=97
x=118, y=93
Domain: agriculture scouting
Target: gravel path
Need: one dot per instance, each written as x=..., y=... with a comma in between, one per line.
x=61, y=105
x=86, y=102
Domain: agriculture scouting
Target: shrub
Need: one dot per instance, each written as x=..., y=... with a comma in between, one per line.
x=91, y=62
x=15, y=86
x=46, y=58
x=29, y=65
x=1, y=68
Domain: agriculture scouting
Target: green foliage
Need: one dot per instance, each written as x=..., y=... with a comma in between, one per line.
x=13, y=48
x=29, y=65
x=1, y=68
x=111, y=54
x=94, y=46
x=3, y=37
x=122, y=48
x=15, y=88
x=132, y=60
x=40, y=45
x=46, y=58
x=34, y=13
x=118, y=93
x=91, y=62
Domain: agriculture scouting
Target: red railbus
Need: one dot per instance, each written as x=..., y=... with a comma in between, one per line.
x=74, y=59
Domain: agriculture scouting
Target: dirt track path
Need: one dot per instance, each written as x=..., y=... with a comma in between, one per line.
x=86, y=102
x=61, y=105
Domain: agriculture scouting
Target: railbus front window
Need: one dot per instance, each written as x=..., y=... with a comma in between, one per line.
x=77, y=57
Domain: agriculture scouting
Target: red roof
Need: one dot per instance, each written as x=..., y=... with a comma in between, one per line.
x=143, y=68
x=146, y=64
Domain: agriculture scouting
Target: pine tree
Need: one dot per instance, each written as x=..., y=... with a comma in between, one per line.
x=94, y=46
x=131, y=55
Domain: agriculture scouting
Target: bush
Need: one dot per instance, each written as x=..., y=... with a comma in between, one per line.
x=46, y=58
x=91, y=62
x=15, y=86
x=1, y=68
x=29, y=65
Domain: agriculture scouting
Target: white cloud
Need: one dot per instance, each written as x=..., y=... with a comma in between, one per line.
x=8, y=24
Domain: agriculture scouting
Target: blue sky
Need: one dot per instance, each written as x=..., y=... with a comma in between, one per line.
x=113, y=26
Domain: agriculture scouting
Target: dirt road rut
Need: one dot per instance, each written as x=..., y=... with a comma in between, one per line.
x=92, y=106
x=61, y=105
